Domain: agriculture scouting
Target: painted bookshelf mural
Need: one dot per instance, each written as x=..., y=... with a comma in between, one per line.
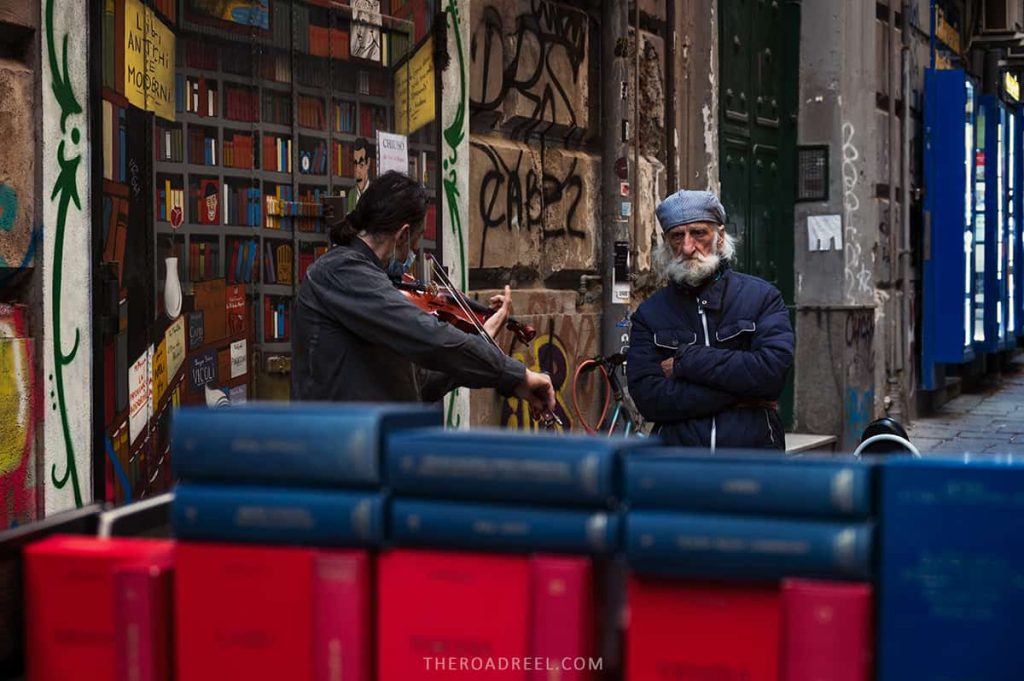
x=224, y=126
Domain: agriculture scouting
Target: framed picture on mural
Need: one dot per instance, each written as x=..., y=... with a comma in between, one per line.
x=231, y=13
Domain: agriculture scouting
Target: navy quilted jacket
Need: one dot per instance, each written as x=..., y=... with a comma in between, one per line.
x=732, y=344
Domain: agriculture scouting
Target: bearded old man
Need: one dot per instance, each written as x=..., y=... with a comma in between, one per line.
x=709, y=351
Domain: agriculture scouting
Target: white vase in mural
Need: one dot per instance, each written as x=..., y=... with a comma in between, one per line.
x=172, y=289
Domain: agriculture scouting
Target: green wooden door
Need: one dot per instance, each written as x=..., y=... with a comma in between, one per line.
x=759, y=42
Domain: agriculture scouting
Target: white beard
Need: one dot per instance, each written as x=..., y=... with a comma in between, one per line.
x=692, y=272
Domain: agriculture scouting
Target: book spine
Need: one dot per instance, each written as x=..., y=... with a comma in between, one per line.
x=341, y=616
x=448, y=468
x=560, y=616
x=779, y=488
x=826, y=631
x=143, y=616
x=704, y=545
x=265, y=515
x=502, y=528
x=276, y=447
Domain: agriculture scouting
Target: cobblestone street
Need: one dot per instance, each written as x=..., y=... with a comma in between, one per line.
x=987, y=421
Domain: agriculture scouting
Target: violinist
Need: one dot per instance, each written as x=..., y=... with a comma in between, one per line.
x=356, y=337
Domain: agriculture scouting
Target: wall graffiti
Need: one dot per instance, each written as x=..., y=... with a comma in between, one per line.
x=66, y=282
x=18, y=418
x=530, y=68
x=858, y=277
x=17, y=167
x=533, y=207
x=860, y=339
x=858, y=409
x=563, y=340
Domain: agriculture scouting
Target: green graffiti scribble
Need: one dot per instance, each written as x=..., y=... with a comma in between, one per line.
x=65, y=190
x=454, y=135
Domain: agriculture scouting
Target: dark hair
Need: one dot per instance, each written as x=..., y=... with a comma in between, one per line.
x=392, y=200
x=361, y=143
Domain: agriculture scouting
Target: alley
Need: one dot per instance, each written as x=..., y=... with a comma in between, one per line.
x=987, y=421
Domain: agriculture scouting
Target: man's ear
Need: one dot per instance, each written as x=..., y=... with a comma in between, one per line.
x=403, y=233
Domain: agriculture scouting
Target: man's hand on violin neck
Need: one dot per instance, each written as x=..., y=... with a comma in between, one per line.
x=502, y=305
x=538, y=392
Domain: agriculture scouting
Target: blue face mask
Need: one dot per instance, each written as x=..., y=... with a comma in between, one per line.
x=397, y=269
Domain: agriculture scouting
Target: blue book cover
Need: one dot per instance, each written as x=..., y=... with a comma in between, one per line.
x=672, y=544
x=735, y=482
x=504, y=466
x=951, y=582
x=494, y=527
x=316, y=444
x=267, y=515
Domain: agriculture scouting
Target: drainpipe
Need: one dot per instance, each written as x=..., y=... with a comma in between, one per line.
x=905, y=252
x=618, y=132
x=893, y=335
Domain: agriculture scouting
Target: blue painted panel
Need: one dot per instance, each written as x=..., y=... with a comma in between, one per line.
x=993, y=238
x=947, y=319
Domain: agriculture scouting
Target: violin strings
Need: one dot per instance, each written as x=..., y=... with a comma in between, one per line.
x=440, y=274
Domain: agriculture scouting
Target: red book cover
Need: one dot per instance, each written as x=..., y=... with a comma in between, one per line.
x=702, y=630
x=243, y=612
x=341, y=616
x=826, y=631
x=560, y=617
x=451, y=615
x=70, y=604
x=143, y=620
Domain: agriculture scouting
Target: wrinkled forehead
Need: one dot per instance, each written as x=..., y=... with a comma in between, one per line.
x=694, y=229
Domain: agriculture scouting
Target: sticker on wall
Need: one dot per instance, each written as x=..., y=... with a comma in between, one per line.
x=139, y=386
x=623, y=189
x=626, y=209
x=824, y=232
x=175, y=338
x=238, y=359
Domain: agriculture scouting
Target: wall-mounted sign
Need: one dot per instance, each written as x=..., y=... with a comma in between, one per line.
x=414, y=90
x=392, y=152
x=148, y=61
x=1011, y=86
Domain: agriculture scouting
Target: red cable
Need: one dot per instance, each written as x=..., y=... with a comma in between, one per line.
x=607, y=395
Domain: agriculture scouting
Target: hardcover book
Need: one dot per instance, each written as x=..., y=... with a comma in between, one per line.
x=951, y=590
x=71, y=606
x=701, y=630
x=282, y=444
x=827, y=631
x=734, y=482
x=436, y=610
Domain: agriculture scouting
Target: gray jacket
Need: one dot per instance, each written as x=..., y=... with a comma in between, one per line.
x=355, y=337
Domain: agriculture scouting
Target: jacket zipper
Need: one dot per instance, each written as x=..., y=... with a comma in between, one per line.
x=707, y=344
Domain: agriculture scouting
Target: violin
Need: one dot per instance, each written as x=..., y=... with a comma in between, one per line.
x=460, y=311
x=450, y=305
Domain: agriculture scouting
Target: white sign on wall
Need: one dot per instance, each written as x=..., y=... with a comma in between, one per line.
x=392, y=152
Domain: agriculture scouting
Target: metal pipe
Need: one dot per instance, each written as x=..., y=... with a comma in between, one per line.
x=615, y=124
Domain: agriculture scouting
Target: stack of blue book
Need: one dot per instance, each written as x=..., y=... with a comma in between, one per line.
x=951, y=581
x=500, y=490
x=748, y=515
x=273, y=473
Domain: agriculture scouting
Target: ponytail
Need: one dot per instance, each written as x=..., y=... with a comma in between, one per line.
x=390, y=201
x=344, y=230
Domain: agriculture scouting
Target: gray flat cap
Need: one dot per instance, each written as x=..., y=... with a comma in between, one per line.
x=686, y=206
